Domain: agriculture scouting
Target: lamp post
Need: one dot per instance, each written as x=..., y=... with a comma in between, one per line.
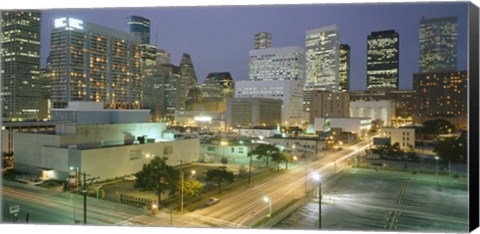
x=436, y=171
x=319, y=180
x=269, y=200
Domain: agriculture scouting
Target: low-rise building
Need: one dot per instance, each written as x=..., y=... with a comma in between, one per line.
x=101, y=150
x=257, y=132
x=383, y=110
x=404, y=136
x=211, y=120
x=356, y=126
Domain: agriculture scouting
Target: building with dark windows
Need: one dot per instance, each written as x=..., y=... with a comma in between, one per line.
x=248, y=112
x=20, y=64
x=438, y=44
x=163, y=57
x=263, y=40
x=187, y=79
x=140, y=27
x=344, y=69
x=329, y=104
x=160, y=94
x=441, y=95
x=383, y=60
x=94, y=63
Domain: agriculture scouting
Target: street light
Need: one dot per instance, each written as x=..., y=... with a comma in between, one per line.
x=319, y=180
x=436, y=171
x=269, y=200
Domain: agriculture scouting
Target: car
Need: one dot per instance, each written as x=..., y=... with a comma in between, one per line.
x=211, y=201
x=130, y=177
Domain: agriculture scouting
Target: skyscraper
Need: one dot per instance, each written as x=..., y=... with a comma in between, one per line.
x=94, y=63
x=218, y=86
x=438, y=44
x=20, y=58
x=263, y=40
x=344, y=70
x=187, y=79
x=140, y=27
x=383, y=60
x=277, y=63
x=322, y=58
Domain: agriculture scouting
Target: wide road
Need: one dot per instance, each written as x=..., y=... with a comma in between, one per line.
x=245, y=207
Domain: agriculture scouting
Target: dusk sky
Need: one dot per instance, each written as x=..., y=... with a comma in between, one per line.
x=218, y=38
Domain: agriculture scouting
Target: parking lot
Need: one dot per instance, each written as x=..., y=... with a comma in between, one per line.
x=371, y=200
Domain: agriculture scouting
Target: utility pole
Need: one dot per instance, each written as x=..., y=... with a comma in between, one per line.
x=181, y=177
x=84, y=198
x=250, y=170
x=319, y=204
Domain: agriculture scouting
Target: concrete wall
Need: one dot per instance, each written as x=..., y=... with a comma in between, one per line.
x=130, y=159
x=404, y=136
x=227, y=150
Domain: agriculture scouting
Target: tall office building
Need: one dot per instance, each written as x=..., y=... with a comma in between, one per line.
x=383, y=60
x=277, y=63
x=438, y=44
x=344, y=69
x=140, y=27
x=441, y=95
x=163, y=57
x=218, y=86
x=187, y=79
x=20, y=64
x=94, y=63
x=160, y=90
x=322, y=59
x=263, y=40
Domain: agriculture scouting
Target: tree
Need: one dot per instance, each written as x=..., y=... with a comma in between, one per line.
x=281, y=157
x=451, y=149
x=191, y=187
x=265, y=151
x=438, y=126
x=218, y=176
x=157, y=176
x=411, y=155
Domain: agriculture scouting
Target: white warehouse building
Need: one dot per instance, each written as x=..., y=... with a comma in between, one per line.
x=358, y=126
x=405, y=137
x=101, y=150
x=383, y=110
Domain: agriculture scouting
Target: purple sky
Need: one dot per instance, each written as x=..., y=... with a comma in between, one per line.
x=219, y=38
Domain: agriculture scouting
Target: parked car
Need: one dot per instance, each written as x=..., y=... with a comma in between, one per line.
x=130, y=178
x=211, y=201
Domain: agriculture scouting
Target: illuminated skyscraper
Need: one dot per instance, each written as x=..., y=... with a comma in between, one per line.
x=344, y=70
x=382, y=60
x=140, y=27
x=94, y=63
x=20, y=64
x=187, y=79
x=322, y=59
x=263, y=40
x=438, y=44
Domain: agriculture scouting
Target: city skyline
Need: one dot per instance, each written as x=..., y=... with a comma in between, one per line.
x=200, y=34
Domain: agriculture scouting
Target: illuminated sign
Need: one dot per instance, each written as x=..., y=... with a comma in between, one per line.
x=69, y=23
x=202, y=118
x=62, y=22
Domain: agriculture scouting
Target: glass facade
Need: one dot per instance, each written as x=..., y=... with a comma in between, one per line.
x=263, y=40
x=140, y=27
x=20, y=68
x=438, y=44
x=383, y=60
x=322, y=59
x=95, y=63
x=344, y=70
x=218, y=86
